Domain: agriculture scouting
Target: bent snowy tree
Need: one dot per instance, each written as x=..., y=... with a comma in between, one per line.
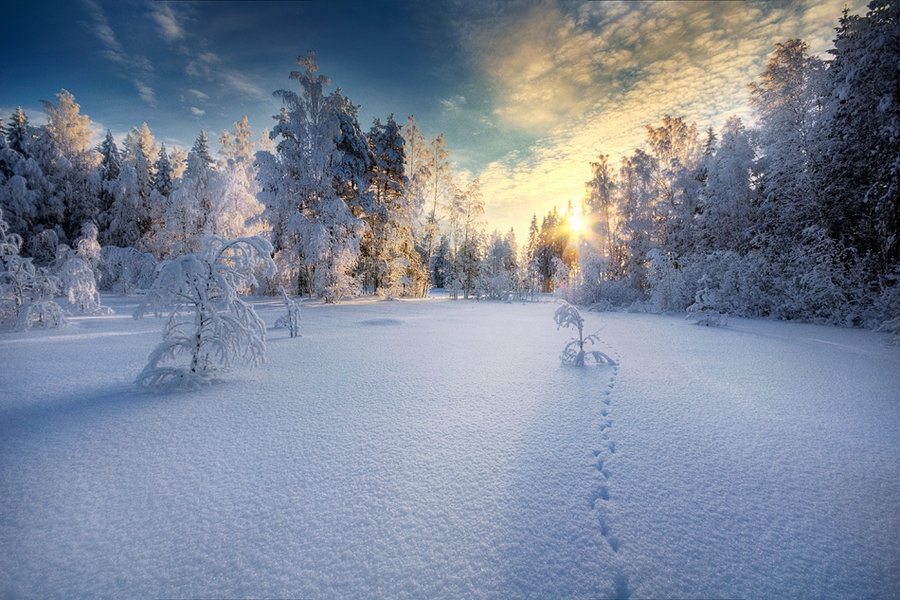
x=209, y=324
x=574, y=353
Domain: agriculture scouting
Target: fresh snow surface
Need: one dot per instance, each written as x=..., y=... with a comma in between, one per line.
x=437, y=449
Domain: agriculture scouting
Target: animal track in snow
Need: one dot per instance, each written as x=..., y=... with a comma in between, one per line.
x=600, y=492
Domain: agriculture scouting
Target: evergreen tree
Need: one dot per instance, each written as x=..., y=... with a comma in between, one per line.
x=162, y=179
x=859, y=148
x=189, y=216
x=312, y=226
x=18, y=133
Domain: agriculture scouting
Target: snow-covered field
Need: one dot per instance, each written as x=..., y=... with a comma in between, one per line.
x=436, y=449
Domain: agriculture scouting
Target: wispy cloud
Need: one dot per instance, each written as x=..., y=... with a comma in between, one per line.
x=198, y=94
x=589, y=79
x=137, y=69
x=454, y=103
x=201, y=65
x=99, y=27
x=241, y=83
x=169, y=26
x=197, y=112
x=145, y=92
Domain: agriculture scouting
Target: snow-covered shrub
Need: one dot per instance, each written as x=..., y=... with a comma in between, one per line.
x=42, y=247
x=77, y=270
x=26, y=291
x=292, y=319
x=705, y=309
x=125, y=270
x=496, y=287
x=574, y=353
x=209, y=324
x=40, y=314
x=87, y=247
x=79, y=285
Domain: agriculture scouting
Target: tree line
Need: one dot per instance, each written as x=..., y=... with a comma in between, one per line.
x=796, y=217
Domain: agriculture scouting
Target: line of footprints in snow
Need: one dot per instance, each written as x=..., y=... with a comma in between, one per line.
x=600, y=491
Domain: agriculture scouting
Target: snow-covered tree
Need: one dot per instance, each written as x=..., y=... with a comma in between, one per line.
x=438, y=190
x=677, y=149
x=125, y=270
x=209, y=325
x=236, y=206
x=600, y=203
x=110, y=168
x=637, y=195
x=33, y=168
x=574, y=353
x=498, y=272
x=313, y=230
x=472, y=238
x=18, y=132
x=26, y=291
x=75, y=177
x=189, y=216
x=394, y=265
x=786, y=103
x=291, y=320
x=129, y=215
x=163, y=178
x=79, y=284
x=79, y=272
x=858, y=149
x=665, y=281
x=726, y=209
x=139, y=141
x=531, y=258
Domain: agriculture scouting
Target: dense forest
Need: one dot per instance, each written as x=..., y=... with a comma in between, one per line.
x=795, y=216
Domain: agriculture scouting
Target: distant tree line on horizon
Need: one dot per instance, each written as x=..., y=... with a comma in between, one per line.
x=796, y=217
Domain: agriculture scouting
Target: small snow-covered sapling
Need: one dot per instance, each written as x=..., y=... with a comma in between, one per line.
x=292, y=319
x=574, y=353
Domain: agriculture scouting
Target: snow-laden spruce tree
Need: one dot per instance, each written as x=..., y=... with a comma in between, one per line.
x=210, y=327
x=189, y=215
x=574, y=353
x=307, y=184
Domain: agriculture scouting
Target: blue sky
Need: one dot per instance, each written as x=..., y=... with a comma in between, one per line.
x=525, y=92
